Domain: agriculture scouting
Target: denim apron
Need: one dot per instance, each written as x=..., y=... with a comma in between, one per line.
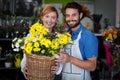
x=70, y=71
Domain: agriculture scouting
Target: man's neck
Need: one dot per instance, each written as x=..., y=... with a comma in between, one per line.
x=75, y=28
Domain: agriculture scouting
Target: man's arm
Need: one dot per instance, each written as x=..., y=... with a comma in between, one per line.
x=89, y=64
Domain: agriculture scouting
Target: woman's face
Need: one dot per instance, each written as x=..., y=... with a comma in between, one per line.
x=49, y=20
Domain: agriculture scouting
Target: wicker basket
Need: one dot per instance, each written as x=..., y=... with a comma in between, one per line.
x=40, y=67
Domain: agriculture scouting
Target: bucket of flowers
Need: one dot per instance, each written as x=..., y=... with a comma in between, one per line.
x=109, y=36
x=41, y=47
x=112, y=38
x=115, y=51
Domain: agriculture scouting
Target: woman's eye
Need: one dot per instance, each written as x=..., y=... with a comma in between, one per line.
x=46, y=16
x=53, y=17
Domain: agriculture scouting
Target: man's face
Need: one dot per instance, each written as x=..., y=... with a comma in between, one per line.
x=72, y=17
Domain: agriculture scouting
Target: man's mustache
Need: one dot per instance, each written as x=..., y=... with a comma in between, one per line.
x=71, y=21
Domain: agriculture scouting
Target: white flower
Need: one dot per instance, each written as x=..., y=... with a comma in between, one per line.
x=17, y=44
x=14, y=39
x=12, y=46
x=19, y=40
x=16, y=49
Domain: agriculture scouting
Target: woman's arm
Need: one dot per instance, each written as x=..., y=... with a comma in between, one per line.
x=23, y=62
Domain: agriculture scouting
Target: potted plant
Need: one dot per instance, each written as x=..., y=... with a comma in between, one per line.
x=8, y=60
x=17, y=46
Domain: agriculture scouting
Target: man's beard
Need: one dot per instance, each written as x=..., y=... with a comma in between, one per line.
x=75, y=25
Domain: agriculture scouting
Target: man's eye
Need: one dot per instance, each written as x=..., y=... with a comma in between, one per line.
x=66, y=15
x=74, y=15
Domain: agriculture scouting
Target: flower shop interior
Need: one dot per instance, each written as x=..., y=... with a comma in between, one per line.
x=105, y=19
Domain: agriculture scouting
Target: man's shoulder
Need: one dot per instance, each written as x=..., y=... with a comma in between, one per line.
x=86, y=35
x=87, y=32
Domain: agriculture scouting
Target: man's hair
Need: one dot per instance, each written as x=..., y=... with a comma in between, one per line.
x=74, y=5
x=81, y=8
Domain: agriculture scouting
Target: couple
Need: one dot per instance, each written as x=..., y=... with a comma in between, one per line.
x=82, y=56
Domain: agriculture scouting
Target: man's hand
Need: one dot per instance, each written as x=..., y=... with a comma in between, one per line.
x=64, y=57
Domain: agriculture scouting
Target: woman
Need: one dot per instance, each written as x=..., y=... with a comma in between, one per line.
x=48, y=17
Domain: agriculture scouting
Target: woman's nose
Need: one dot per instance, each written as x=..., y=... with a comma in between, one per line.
x=50, y=19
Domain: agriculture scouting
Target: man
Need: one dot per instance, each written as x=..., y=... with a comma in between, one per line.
x=81, y=56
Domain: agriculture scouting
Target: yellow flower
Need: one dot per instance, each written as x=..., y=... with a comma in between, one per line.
x=36, y=44
x=38, y=29
x=36, y=49
x=30, y=39
x=110, y=35
x=43, y=51
x=40, y=41
x=28, y=48
x=55, y=45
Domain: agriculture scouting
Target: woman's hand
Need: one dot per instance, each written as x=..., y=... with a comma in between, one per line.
x=55, y=68
x=25, y=73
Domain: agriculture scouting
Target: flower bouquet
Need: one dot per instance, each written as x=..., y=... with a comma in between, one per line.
x=41, y=47
x=110, y=35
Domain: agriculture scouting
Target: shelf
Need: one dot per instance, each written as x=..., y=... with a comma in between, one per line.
x=97, y=34
x=2, y=59
x=6, y=39
x=11, y=68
